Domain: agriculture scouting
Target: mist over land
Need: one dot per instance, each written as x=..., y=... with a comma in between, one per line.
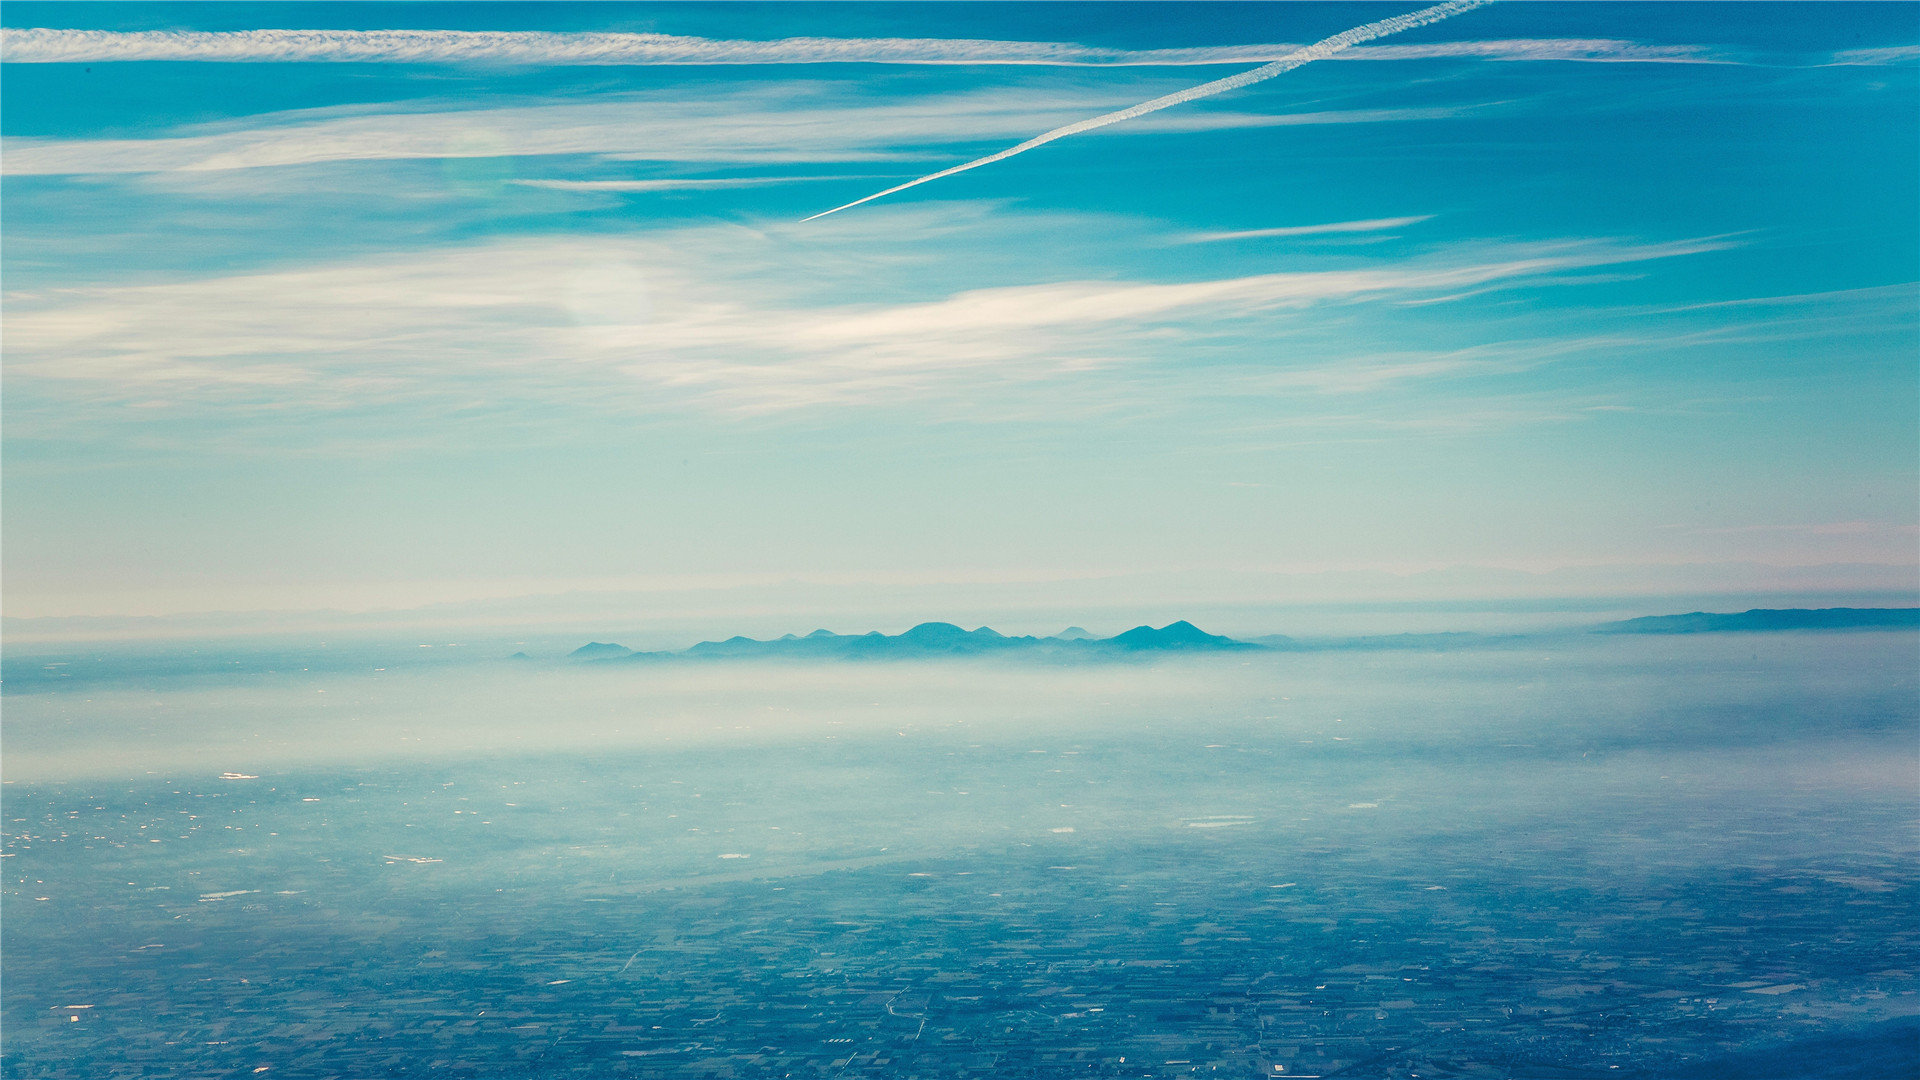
x=1521, y=854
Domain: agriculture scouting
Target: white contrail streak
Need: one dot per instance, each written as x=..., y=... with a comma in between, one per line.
x=1319, y=50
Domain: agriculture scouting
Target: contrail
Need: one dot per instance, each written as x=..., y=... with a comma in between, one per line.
x=1319, y=50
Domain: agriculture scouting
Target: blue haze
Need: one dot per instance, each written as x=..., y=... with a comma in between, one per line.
x=329, y=387
x=1648, y=855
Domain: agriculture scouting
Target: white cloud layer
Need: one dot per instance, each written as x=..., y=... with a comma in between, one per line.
x=788, y=122
x=1367, y=226
x=1896, y=54
x=676, y=184
x=60, y=46
x=596, y=318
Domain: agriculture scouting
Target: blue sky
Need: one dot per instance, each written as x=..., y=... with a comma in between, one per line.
x=297, y=323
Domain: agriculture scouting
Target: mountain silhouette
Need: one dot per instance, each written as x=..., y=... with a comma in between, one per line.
x=1175, y=635
x=599, y=650
x=931, y=640
x=946, y=637
x=1758, y=619
x=938, y=639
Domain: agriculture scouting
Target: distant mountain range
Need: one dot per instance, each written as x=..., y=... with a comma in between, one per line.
x=1759, y=619
x=938, y=639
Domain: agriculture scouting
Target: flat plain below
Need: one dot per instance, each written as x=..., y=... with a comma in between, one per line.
x=1604, y=856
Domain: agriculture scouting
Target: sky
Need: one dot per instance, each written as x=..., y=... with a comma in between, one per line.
x=303, y=314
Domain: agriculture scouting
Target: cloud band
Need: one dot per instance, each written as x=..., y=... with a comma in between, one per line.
x=63, y=46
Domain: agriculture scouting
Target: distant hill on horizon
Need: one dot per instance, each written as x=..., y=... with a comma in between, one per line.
x=1767, y=619
x=937, y=639
x=943, y=639
x=599, y=650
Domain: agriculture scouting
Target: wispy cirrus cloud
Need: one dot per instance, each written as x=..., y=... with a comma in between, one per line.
x=62, y=46
x=607, y=320
x=616, y=187
x=1575, y=50
x=790, y=122
x=785, y=123
x=1903, y=294
x=1896, y=54
x=1366, y=226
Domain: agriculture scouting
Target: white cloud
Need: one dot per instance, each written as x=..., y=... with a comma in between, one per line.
x=1585, y=50
x=766, y=124
x=1369, y=225
x=1896, y=54
x=1370, y=371
x=724, y=318
x=50, y=46
x=1901, y=296
x=677, y=184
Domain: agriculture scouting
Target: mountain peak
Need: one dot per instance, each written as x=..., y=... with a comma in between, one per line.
x=946, y=637
x=599, y=650
x=1174, y=635
x=933, y=630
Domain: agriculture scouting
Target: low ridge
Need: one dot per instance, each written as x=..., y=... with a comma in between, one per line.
x=1765, y=619
x=930, y=639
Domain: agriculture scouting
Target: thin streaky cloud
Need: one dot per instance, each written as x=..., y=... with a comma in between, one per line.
x=624, y=186
x=1903, y=293
x=1370, y=225
x=1594, y=50
x=1318, y=50
x=595, y=321
x=787, y=122
x=1221, y=120
x=40, y=45
x=1897, y=54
